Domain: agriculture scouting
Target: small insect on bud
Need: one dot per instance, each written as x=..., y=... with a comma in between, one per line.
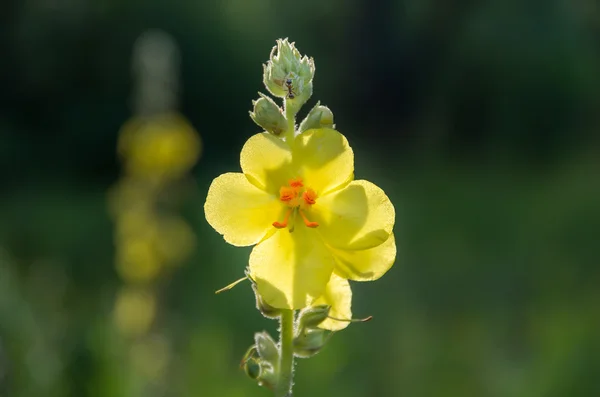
x=268, y=115
x=312, y=317
x=309, y=343
x=284, y=62
x=319, y=117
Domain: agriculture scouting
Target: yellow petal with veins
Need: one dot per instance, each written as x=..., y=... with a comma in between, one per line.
x=240, y=211
x=366, y=265
x=359, y=216
x=266, y=161
x=291, y=269
x=324, y=159
x=338, y=295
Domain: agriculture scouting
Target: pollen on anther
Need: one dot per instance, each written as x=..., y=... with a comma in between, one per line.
x=296, y=182
x=287, y=193
x=309, y=196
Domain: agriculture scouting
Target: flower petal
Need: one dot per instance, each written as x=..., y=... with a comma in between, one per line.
x=366, y=265
x=324, y=158
x=291, y=269
x=238, y=210
x=338, y=295
x=357, y=217
x=266, y=161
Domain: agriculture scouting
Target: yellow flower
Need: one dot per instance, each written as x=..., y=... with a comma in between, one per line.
x=161, y=147
x=309, y=218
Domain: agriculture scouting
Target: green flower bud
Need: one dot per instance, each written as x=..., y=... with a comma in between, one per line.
x=252, y=368
x=300, y=96
x=268, y=375
x=266, y=347
x=287, y=64
x=318, y=117
x=312, y=317
x=267, y=310
x=309, y=343
x=268, y=115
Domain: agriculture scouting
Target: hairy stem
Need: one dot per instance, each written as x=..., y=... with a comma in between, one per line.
x=286, y=355
x=290, y=115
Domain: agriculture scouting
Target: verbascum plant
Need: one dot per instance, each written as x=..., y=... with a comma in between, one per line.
x=157, y=148
x=313, y=226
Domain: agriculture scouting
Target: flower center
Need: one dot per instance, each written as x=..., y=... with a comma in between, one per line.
x=298, y=199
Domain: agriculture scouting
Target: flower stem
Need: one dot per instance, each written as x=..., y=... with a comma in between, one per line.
x=290, y=115
x=286, y=355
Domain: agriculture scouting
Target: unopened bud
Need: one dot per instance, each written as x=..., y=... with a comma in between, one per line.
x=311, y=342
x=319, y=117
x=286, y=63
x=312, y=317
x=266, y=347
x=252, y=368
x=268, y=115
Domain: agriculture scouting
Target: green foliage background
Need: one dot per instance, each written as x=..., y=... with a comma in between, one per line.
x=479, y=119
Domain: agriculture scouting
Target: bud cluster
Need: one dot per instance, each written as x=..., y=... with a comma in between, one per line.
x=261, y=361
x=288, y=75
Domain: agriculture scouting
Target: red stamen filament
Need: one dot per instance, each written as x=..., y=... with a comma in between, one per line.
x=281, y=225
x=306, y=221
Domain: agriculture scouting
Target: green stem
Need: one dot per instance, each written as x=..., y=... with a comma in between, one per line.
x=290, y=115
x=286, y=355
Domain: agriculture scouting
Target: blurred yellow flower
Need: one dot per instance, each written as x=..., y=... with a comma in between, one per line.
x=134, y=312
x=165, y=146
x=300, y=204
x=137, y=261
x=150, y=357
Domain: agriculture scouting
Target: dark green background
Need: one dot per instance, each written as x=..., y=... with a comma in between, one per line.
x=478, y=118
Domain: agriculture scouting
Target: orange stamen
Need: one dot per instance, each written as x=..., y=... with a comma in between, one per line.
x=309, y=196
x=306, y=221
x=287, y=193
x=296, y=182
x=281, y=225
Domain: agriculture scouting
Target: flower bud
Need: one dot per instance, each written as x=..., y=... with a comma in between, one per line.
x=267, y=310
x=311, y=342
x=268, y=375
x=286, y=63
x=266, y=347
x=268, y=115
x=301, y=96
x=252, y=368
x=318, y=117
x=312, y=317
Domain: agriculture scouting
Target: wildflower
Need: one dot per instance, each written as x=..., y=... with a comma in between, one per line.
x=299, y=203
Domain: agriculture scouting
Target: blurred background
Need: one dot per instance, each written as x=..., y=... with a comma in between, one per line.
x=480, y=119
